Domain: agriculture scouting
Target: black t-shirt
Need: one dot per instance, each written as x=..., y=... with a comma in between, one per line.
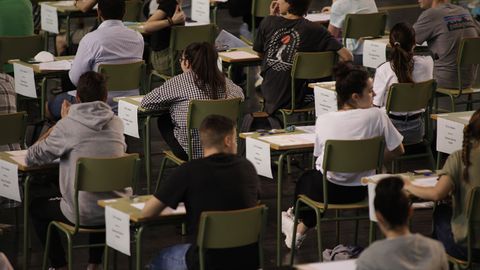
x=160, y=40
x=219, y=182
x=278, y=39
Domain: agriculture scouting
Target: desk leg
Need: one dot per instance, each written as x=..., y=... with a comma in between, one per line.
x=69, y=40
x=26, y=226
x=138, y=243
x=279, y=207
x=147, y=151
x=43, y=98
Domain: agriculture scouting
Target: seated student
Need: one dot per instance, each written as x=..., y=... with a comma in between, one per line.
x=403, y=67
x=201, y=79
x=159, y=24
x=8, y=103
x=401, y=250
x=279, y=37
x=207, y=184
x=111, y=43
x=355, y=119
x=460, y=174
x=87, y=129
x=338, y=12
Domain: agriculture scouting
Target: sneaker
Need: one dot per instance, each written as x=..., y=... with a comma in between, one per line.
x=287, y=229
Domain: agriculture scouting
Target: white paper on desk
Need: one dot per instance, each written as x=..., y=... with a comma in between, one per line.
x=372, y=184
x=56, y=65
x=140, y=205
x=137, y=99
x=318, y=17
x=195, y=23
x=336, y=265
x=201, y=11
x=117, y=226
x=178, y=211
x=374, y=53
x=290, y=139
x=24, y=80
x=66, y=3
x=307, y=129
x=49, y=18
x=17, y=153
x=428, y=181
x=9, y=187
x=258, y=153
x=226, y=41
x=239, y=55
x=449, y=135
x=129, y=115
x=325, y=100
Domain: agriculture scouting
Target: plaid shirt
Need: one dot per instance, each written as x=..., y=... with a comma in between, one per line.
x=176, y=93
x=7, y=103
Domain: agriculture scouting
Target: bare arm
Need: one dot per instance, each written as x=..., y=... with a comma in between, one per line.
x=391, y=155
x=345, y=55
x=159, y=20
x=85, y=5
x=153, y=207
x=438, y=192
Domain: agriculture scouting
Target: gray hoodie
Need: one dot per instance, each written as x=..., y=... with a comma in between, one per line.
x=89, y=130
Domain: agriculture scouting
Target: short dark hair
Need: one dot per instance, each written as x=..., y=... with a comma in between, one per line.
x=298, y=7
x=92, y=86
x=112, y=9
x=392, y=201
x=214, y=129
x=350, y=79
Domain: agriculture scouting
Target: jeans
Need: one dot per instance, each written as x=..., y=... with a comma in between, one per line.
x=55, y=105
x=171, y=258
x=412, y=131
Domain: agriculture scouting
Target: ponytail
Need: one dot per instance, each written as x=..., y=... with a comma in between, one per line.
x=402, y=41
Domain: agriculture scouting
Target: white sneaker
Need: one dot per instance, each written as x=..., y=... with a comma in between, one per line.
x=287, y=229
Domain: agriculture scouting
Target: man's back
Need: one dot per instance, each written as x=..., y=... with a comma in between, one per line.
x=443, y=27
x=16, y=18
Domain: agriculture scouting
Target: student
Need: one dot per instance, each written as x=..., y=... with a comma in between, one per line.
x=111, y=43
x=355, y=119
x=8, y=103
x=16, y=18
x=159, y=24
x=201, y=79
x=460, y=174
x=403, y=67
x=442, y=25
x=207, y=184
x=401, y=250
x=87, y=129
x=339, y=11
x=279, y=37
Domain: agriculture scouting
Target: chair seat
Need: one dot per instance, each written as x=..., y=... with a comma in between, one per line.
x=162, y=76
x=417, y=148
x=301, y=110
x=71, y=228
x=359, y=205
x=456, y=92
x=170, y=155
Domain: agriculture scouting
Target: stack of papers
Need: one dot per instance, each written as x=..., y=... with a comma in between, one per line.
x=291, y=139
x=56, y=65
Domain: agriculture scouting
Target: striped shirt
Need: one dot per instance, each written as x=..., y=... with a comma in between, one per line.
x=7, y=103
x=176, y=94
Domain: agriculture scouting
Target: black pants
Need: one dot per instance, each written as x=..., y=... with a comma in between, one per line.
x=311, y=185
x=42, y=212
x=165, y=126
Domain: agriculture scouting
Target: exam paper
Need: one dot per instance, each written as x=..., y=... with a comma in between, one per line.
x=318, y=17
x=290, y=139
x=56, y=65
x=129, y=115
x=117, y=226
x=239, y=55
x=258, y=153
x=9, y=187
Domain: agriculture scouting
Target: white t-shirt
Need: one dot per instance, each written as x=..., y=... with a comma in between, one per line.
x=341, y=8
x=353, y=125
x=385, y=77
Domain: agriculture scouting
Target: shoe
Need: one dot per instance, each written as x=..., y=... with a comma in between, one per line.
x=287, y=229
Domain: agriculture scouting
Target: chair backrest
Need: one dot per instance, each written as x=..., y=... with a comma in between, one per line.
x=473, y=215
x=182, y=36
x=364, y=25
x=21, y=47
x=260, y=9
x=467, y=55
x=199, y=109
x=13, y=128
x=230, y=229
x=311, y=65
x=351, y=156
x=121, y=77
x=132, y=10
x=405, y=97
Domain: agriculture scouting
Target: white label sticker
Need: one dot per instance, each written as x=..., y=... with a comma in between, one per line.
x=449, y=135
x=49, y=18
x=117, y=225
x=9, y=187
x=201, y=11
x=374, y=53
x=258, y=153
x=128, y=112
x=325, y=100
x=24, y=80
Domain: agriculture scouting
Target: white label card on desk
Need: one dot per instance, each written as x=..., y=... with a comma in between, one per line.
x=201, y=11
x=374, y=53
x=117, y=225
x=325, y=100
x=129, y=115
x=258, y=153
x=49, y=18
x=449, y=135
x=9, y=187
x=24, y=81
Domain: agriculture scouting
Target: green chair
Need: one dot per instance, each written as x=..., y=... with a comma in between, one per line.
x=467, y=55
x=197, y=111
x=132, y=10
x=123, y=77
x=94, y=175
x=364, y=25
x=230, y=229
x=260, y=9
x=21, y=47
x=473, y=231
x=342, y=156
x=307, y=66
x=404, y=97
x=13, y=128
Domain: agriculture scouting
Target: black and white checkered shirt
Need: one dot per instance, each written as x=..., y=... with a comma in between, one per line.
x=7, y=103
x=176, y=93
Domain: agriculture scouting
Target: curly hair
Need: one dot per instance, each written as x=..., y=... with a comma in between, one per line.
x=471, y=133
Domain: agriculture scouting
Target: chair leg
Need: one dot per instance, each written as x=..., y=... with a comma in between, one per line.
x=356, y=227
x=372, y=233
x=105, y=257
x=160, y=172
x=69, y=252
x=319, y=235
x=294, y=233
x=452, y=103
x=47, y=248
x=337, y=227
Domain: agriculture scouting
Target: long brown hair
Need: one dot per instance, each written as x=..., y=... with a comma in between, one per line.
x=471, y=133
x=402, y=40
x=203, y=61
